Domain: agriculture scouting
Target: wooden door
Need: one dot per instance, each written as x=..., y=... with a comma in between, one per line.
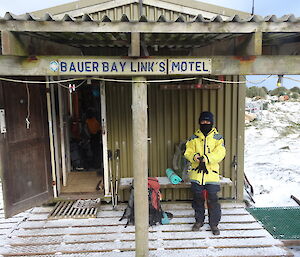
x=25, y=154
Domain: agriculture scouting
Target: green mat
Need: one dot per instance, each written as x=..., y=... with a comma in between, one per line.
x=281, y=222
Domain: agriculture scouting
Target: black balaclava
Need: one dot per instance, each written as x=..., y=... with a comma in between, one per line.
x=206, y=128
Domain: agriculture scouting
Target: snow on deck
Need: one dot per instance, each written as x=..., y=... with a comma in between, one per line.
x=32, y=234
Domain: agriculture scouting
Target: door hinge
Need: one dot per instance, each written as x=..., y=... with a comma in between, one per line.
x=2, y=121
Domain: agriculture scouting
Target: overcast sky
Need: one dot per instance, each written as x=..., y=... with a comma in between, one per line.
x=261, y=7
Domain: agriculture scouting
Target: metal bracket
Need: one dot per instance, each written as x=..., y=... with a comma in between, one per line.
x=2, y=121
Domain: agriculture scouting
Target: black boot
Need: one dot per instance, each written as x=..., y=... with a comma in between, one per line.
x=215, y=230
x=197, y=225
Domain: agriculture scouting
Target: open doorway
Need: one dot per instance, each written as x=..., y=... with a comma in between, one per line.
x=84, y=140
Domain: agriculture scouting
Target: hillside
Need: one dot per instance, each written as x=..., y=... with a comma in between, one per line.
x=272, y=154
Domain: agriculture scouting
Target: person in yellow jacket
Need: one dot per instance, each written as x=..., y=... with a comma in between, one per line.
x=205, y=150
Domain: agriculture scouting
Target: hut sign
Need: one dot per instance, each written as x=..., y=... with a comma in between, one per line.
x=130, y=66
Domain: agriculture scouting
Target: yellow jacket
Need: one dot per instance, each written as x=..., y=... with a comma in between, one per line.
x=213, y=150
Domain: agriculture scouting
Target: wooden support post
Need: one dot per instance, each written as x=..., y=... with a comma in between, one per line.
x=135, y=44
x=11, y=44
x=251, y=44
x=140, y=165
x=240, y=141
x=255, y=44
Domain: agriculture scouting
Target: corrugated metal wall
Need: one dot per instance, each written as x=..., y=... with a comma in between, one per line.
x=132, y=11
x=173, y=117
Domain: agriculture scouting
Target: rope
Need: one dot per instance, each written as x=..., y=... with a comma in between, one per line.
x=145, y=81
x=259, y=81
x=142, y=81
x=79, y=85
x=39, y=82
x=297, y=80
x=223, y=81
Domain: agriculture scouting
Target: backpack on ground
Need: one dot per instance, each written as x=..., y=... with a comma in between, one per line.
x=156, y=214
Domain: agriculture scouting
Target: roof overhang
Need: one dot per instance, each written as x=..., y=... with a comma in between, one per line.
x=269, y=34
x=216, y=25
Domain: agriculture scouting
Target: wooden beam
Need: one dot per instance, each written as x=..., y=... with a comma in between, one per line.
x=221, y=65
x=140, y=165
x=149, y=27
x=11, y=44
x=24, y=45
x=135, y=44
x=251, y=44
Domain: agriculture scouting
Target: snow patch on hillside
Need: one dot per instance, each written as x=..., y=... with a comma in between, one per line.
x=272, y=154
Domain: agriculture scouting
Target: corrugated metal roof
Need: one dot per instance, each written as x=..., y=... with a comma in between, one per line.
x=86, y=32
x=188, y=7
x=199, y=18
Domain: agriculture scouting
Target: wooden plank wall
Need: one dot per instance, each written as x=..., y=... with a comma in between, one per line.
x=173, y=117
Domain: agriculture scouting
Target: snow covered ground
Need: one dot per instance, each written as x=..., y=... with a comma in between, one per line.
x=272, y=154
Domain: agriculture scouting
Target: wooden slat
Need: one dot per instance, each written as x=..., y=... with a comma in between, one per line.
x=240, y=235
x=176, y=213
x=166, y=244
x=78, y=254
x=120, y=228
x=157, y=244
x=125, y=183
x=5, y=231
x=115, y=221
x=39, y=210
x=203, y=234
x=250, y=252
x=291, y=242
x=176, y=206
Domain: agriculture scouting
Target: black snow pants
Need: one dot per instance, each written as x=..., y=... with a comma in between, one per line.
x=214, y=208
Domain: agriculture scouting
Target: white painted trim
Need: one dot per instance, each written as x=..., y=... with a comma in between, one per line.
x=62, y=138
x=50, y=125
x=55, y=139
x=104, y=139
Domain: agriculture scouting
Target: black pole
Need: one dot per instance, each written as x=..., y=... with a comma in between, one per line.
x=141, y=7
x=252, y=13
x=295, y=199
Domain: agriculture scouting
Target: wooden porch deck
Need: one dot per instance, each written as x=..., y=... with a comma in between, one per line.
x=32, y=234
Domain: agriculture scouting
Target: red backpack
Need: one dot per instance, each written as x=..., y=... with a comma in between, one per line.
x=155, y=211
